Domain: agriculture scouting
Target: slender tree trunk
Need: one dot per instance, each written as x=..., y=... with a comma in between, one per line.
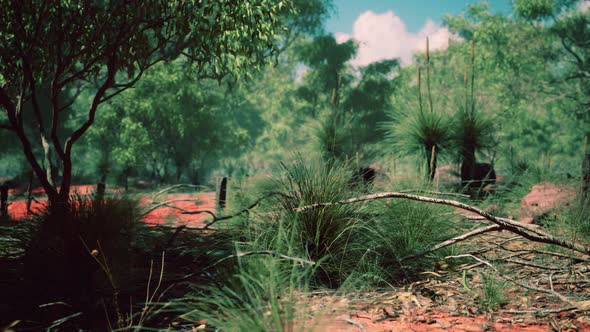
x=3, y=200
x=47, y=160
x=586, y=176
x=30, y=192
x=468, y=166
x=431, y=156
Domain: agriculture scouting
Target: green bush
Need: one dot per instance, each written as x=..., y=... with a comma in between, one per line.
x=335, y=235
x=407, y=228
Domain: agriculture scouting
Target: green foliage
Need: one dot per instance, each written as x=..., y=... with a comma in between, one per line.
x=327, y=58
x=333, y=140
x=573, y=221
x=174, y=125
x=418, y=132
x=106, y=48
x=414, y=226
x=263, y=295
x=336, y=236
x=534, y=9
x=492, y=294
x=473, y=132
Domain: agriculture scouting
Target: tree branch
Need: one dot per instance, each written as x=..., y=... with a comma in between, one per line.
x=245, y=210
x=111, y=71
x=457, y=239
x=26, y=144
x=524, y=230
x=176, y=187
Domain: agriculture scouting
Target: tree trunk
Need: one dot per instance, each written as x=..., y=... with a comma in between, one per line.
x=468, y=167
x=431, y=156
x=3, y=200
x=30, y=192
x=586, y=176
x=222, y=194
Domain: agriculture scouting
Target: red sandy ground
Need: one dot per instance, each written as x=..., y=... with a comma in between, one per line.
x=174, y=216
x=17, y=209
x=406, y=311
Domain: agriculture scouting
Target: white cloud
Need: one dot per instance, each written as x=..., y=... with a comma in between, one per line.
x=385, y=36
x=584, y=6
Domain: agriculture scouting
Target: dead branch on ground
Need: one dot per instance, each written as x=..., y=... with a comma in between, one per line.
x=527, y=231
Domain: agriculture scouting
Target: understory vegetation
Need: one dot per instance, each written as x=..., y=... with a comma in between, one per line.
x=392, y=189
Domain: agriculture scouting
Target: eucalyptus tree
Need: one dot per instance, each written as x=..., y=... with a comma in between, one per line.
x=107, y=46
x=569, y=23
x=174, y=124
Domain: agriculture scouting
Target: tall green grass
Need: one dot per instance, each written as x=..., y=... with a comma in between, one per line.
x=336, y=235
x=352, y=247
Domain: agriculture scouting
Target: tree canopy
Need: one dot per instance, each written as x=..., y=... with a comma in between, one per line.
x=55, y=48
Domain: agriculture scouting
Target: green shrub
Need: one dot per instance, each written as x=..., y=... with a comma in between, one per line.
x=335, y=235
x=407, y=228
x=263, y=294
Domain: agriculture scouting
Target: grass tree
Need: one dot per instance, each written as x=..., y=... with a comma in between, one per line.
x=472, y=130
x=422, y=131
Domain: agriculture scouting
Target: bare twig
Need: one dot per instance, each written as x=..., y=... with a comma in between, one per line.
x=541, y=290
x=264, y=252
x=245, y=210
x=541, y=311
x=529, y=264
x=347, y=319
x=438, y=193
x=165, y=204
x=549, y=253
x=474, y=257
x=454, y=240
x=176, y=187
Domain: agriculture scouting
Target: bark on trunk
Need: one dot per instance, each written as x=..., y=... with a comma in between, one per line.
x=3, y=200
x=468, y=167
x=586, y=176
x=431, y=162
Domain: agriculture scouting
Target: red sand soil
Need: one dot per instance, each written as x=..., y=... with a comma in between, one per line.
x=17, y=209
x=175, y=216
x=409, y=311
x=543, y=198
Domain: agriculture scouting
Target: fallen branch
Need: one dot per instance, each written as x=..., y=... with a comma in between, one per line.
x=176, y=187
x=164, y=204
x=264, y=252
x=454, y=240
x=245, y=210
x=538, y=266
x=524, y=230
x=438, y=193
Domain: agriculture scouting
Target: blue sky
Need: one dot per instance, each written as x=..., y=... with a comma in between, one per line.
x=413, y=12
x=386, y=29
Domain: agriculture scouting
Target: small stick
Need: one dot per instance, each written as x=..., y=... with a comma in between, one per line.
x=454, y=240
